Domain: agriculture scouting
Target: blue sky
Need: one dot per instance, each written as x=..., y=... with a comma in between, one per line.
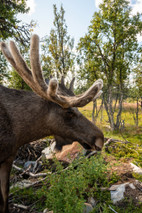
x=78, y=14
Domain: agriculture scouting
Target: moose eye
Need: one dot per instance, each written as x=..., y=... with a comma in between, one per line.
x=69, y=114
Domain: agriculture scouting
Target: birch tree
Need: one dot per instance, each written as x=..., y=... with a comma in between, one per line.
x=108, y=51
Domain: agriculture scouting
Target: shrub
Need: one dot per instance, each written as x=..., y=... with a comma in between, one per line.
x=69, y=187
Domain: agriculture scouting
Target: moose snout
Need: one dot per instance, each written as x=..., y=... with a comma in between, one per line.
x=99, y=144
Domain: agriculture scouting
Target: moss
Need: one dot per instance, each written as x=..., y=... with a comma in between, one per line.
x=137, y=176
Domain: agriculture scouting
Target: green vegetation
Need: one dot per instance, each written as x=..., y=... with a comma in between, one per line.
x=67, y=190
x=108, y=51
x=11, y=27
x=57, y=57
x=129, y=131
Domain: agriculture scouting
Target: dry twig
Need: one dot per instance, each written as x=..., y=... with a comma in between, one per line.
x=30, y=173
x=21, y=206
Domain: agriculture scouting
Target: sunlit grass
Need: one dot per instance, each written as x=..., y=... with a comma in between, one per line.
x=130, y=132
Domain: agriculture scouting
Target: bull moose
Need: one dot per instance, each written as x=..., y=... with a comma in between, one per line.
x=51, y=109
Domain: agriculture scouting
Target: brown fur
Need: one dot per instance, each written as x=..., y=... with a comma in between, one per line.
x=25, y=117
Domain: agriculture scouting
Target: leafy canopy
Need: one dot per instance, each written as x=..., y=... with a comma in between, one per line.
x=110, y=47
x=58, y=57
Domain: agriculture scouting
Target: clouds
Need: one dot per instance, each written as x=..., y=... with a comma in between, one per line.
x=97, y=2
x=31, y=4
x=136, y=6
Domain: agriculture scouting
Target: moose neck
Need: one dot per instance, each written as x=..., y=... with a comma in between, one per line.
x=28, y=114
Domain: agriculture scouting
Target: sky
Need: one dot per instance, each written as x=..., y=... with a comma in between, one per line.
x=78, y=14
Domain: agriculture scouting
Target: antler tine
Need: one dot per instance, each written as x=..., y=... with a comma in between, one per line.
x=75, y=101
x=35, y=64
x=92, y=93
x=6, y=51
x=49, y=92
x=21, y=66
x=24, y=71
x=53, y=96
x=72, y=84
x=36, y=81
x=7, y=54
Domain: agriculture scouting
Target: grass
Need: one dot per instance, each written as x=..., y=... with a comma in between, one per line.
x=130, y=132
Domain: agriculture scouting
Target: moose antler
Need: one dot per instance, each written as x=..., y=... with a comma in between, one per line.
x=35, y=80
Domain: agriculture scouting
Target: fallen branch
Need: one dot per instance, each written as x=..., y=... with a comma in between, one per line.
x=36, y=164
x=30, y=173
x=110, y=140
x=21, y=206
x=30, y=185
x=91, y=154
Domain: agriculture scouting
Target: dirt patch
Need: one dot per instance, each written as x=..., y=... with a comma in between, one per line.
x=135, y=194
x=122, y=169
x=132, y=196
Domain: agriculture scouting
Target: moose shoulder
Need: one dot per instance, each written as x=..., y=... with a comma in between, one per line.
x=49, y=110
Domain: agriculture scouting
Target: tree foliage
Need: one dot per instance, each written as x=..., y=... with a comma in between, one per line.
x=109, y=50
x=3, y=69
x=11, y=27
x=58, y=57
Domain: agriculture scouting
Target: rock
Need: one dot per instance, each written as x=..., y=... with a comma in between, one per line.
x=132, y=186
x=136, y=169
x=33, y=166
x=117, y=191
x=107, y=128
x=29, y=164
x=87, y=208
x=67, y=154
x=92, y=201
x=49, y=152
